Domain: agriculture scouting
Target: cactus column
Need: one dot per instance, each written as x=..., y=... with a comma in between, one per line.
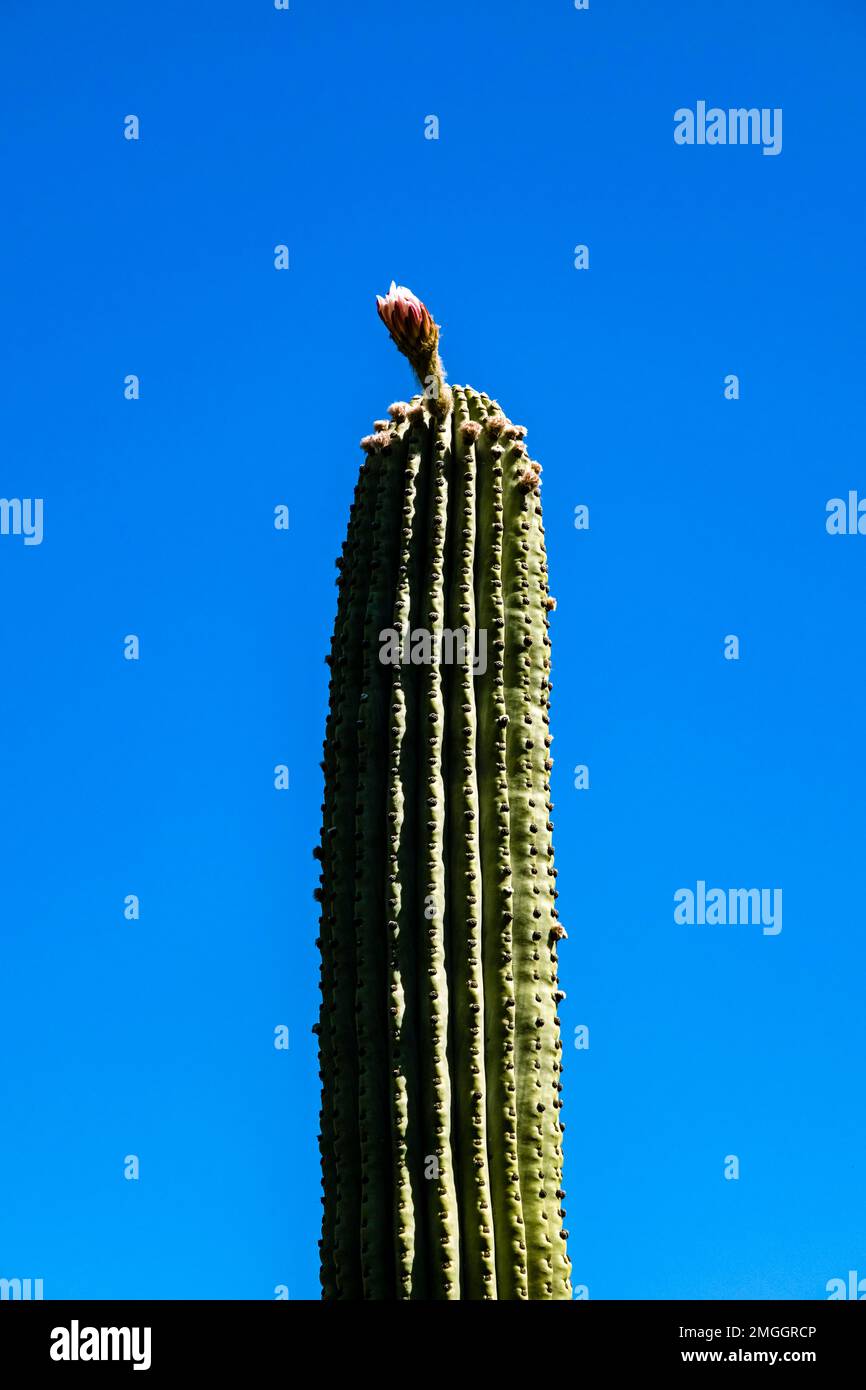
x=439, y=1043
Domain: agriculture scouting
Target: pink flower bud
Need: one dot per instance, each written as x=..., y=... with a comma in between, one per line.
x=416, y=334
x=406, y=318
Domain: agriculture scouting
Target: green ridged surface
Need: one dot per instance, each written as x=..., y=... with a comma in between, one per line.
x=439, y=1040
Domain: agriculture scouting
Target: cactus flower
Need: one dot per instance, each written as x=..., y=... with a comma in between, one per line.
x=413, y=329
x=406, y=318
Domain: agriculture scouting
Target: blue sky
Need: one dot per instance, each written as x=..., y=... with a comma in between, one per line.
x=156, y=257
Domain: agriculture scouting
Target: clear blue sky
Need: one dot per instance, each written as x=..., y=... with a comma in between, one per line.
x=155, y=257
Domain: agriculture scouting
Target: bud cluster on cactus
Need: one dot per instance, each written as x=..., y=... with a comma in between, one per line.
x=439, y=1046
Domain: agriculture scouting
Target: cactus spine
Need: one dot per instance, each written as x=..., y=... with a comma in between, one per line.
x=439, y=1043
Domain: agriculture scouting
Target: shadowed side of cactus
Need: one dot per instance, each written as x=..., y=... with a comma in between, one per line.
x=439, y=1045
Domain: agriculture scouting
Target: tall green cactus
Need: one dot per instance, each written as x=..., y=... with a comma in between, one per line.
x=439, y=1043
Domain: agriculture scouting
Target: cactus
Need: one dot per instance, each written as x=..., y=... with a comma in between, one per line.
x=439, y=1047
